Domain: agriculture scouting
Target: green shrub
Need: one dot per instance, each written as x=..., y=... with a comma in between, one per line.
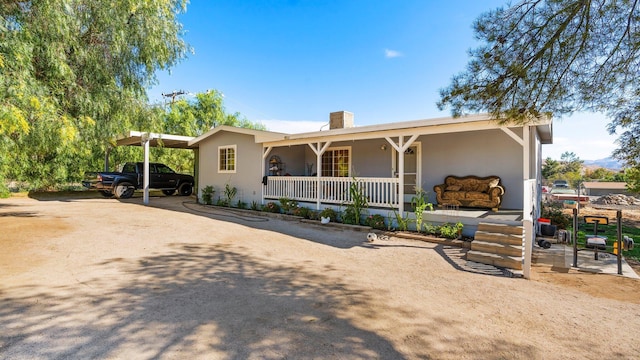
x=375, y=221
x=330, y=213
x=287, y=205
x=451, y=231
x=358, y=204
x=222, y=202
x=241, y=205
x=255, y=206
x=302, y=212
x=314, y=215
x=207, y=194
x=349, y=216
x=229, y=192
x=402, y=222
x=431, y=229
x=420, y=204
x=271, y=207
x=4, y=189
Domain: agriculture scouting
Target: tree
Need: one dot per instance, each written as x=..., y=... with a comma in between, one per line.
x=599, y=174
x=73, y=73
x=570, y=162
x=193, y=118
x=550, y=168
x=551, y=58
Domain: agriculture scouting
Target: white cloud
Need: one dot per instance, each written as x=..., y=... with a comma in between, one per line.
x=293, y=127
x=388, y=53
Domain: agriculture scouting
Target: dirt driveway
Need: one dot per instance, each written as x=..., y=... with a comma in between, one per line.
x=101, y=278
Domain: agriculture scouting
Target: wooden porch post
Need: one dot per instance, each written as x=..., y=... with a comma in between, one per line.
x=265, y=153
x=319, y=149
x=529, y=189
x=401, y=147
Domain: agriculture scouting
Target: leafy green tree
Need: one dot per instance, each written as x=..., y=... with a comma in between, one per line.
x=194, y=117
x=550, y=168
x=74, y=73
x=632, y=177
x=600, y=174
x=570, y=162
x=541, y=58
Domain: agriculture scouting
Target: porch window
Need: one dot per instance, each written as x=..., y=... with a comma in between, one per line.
x=336, y=162
x=227, y=159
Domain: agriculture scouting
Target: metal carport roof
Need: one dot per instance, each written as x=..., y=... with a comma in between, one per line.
x=145, y=139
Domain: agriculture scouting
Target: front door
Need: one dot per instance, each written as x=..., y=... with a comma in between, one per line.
x=411, y=170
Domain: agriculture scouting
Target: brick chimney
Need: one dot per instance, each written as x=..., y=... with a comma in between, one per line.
x=340, y=120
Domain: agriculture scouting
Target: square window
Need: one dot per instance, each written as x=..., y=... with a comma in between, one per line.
x=227, y=159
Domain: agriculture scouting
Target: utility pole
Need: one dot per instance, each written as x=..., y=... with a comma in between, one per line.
x=174, y=94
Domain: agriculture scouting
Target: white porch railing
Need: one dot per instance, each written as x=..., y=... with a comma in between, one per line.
x=380, y=192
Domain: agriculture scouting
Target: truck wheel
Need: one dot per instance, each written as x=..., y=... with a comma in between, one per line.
x=106, y=193
x=124, y=190
x=169, y=192
x=185, y=189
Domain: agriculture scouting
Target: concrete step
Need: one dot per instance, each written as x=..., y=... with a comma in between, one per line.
x=510, y=262
x=498, y=238
x=500, y=228
x=496, y=248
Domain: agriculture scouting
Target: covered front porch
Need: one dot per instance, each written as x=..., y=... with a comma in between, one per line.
x=380, y=192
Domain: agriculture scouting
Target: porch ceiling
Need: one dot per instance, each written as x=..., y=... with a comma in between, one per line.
x=377, y=132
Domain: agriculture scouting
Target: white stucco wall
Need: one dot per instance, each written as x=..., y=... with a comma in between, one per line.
x=248, y=176
x=480, y=153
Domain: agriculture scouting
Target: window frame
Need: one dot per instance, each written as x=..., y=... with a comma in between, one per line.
x=235, y=159
x=337, y=148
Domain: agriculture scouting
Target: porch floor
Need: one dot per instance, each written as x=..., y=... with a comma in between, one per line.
x=470, y=217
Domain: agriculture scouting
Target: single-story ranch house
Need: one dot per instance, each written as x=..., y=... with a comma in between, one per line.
x=480, y=172
x=316, y=168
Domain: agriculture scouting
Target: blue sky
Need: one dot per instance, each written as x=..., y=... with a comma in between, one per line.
x=289, y=63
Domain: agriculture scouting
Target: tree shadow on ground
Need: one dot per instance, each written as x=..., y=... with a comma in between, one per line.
x=343, y=238
x=199, y=296
x=209, y=301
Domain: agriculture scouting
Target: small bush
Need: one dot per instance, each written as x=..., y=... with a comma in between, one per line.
x=349, y=216
x=241, y=205
x=451, y=231
x=330, y=213
x=4, y=190
x=302, y=212
x=375, y=221
x=314, y=215
x=207, y=194
x=271, y=207
x=287, y=205
x=255, y=206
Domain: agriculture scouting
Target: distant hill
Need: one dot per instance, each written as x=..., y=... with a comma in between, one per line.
x=607, y=163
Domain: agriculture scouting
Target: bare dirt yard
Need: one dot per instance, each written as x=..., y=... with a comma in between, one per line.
x=100, y=278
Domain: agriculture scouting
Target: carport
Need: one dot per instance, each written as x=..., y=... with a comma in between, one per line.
x=147, y=139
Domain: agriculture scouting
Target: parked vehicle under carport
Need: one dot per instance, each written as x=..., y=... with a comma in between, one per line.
x=123, y=184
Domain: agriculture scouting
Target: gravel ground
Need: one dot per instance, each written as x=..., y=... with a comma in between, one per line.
x=101, y=278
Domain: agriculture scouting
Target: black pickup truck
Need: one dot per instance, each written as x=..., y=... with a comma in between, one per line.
x=123, y=184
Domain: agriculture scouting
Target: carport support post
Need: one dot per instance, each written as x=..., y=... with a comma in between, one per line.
x=145, y=177
x=575, y=238
x=619, y=239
